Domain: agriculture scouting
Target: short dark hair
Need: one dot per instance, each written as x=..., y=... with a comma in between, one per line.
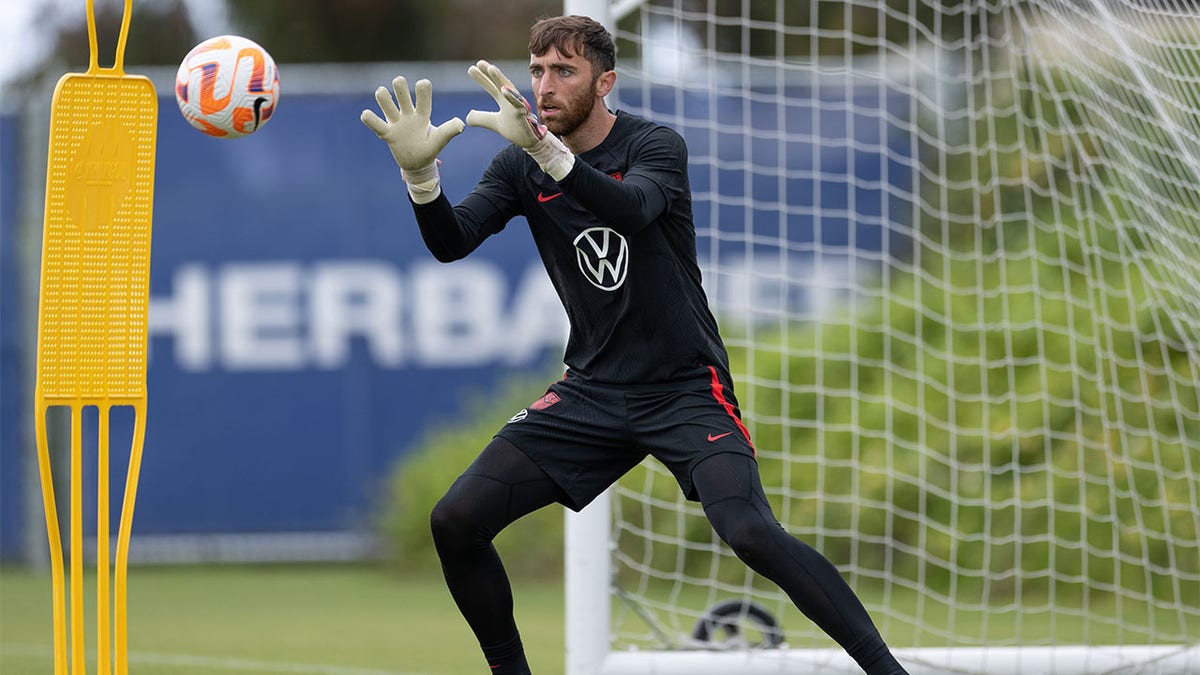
x=569, y=34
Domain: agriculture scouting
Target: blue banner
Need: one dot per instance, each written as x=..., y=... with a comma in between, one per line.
x=12, y=403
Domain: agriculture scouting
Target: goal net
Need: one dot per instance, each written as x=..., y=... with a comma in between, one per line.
x=955, y=252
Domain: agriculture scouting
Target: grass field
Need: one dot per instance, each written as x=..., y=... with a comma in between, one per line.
x=361, y=620
x=348, y=620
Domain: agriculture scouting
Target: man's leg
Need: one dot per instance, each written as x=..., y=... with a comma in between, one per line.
x=502, y=485
x=732, y=495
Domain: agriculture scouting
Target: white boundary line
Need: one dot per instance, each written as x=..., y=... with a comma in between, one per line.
x=220, y=664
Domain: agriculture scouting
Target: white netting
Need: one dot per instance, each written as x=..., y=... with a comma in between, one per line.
x=955, y=252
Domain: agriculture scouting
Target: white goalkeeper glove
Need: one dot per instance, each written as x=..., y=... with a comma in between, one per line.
x=517, y=122
x=412, y=138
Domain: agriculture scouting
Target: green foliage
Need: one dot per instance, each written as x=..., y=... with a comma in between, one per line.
x=1059, y=456
x=532, y=548
x=158, y=33
x=385, y=30
x=833, y=28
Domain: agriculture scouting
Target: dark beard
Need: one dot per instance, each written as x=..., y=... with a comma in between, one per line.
x=569, y=119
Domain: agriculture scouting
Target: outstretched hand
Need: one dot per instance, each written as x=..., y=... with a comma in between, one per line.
x=517, y=122
x=406, y=128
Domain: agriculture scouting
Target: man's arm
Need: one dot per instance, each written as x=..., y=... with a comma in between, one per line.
x=440, y=230
x=656, y=178
x=452, y=232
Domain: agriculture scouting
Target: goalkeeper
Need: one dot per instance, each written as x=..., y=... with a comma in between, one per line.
x=607, y=199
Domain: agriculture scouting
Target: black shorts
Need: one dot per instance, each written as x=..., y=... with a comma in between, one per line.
x=586, y=435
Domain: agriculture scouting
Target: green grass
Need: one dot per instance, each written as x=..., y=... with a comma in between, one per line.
x=361, y=620
x=281, y=619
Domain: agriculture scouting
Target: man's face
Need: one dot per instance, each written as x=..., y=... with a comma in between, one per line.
x=564, y=90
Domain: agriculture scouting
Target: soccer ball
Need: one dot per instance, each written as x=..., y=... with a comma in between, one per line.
x=227, y=86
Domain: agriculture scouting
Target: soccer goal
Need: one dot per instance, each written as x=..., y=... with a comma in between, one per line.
x=955, y=252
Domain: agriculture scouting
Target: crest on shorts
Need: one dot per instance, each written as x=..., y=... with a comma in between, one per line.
x=603, y=256
x=545, y=402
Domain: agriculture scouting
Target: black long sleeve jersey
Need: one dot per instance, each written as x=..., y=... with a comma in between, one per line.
x=616, y=236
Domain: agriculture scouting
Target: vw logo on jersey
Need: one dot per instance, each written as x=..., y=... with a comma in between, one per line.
x=603, y=256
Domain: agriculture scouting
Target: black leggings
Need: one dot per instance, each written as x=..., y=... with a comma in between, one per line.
x=503, y=484
x=500, y=486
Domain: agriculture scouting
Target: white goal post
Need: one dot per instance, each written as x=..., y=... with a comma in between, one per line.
x=955, y=252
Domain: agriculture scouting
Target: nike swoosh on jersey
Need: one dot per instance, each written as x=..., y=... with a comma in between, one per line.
x=718, y=437
x=543, y=198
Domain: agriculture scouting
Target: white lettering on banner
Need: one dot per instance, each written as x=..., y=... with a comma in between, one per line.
x=261, y=317
x=185, y=317
x=356, y=298
x=285, y=315
x=457, y=312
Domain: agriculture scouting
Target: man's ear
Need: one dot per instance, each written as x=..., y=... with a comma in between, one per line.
x=604, y=84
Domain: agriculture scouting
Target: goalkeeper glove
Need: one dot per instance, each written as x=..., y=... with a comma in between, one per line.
x=517, y=122
x=412, y=138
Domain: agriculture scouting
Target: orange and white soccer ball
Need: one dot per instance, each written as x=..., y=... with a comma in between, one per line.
x=227, y=86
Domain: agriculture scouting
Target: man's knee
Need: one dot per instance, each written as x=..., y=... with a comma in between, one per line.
x=454, y=526
x=739, y=525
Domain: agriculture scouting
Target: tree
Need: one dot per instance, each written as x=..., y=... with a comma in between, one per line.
x=159, y=33
x=389, y=30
